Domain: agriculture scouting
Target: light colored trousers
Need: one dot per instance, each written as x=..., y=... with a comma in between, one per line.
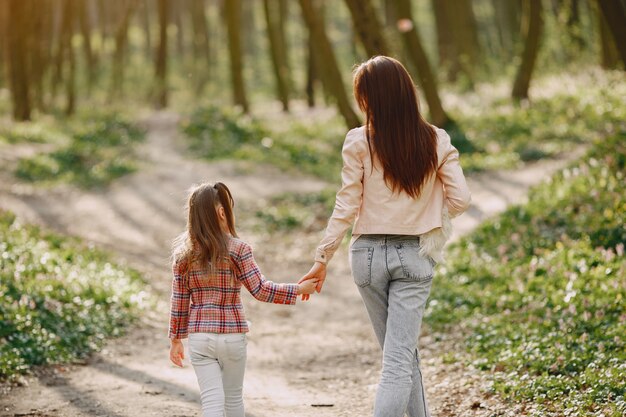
x=219, y=361
x=394, y=282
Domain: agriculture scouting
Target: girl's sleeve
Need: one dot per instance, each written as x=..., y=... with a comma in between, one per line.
x=263, y=290
x=348, y=198
x=179, y=306
x=457, y=193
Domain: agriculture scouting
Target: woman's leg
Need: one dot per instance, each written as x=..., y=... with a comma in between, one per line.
x=209, y=373
x=232, y=357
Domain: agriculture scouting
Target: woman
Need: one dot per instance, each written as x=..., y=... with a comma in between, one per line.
x=401, y=180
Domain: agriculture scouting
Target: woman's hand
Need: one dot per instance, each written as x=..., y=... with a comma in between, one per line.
x=177, y=352
x=317, y=273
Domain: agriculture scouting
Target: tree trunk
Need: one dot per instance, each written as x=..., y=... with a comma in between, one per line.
x=201, y=45
x=145, y=23
x=39, y=45
x=232, y=9
x=311, y=73
x=17, y=32
x=507, y=24
x=85, y=30
x=68, y=32
x=327, y=64
x=121, y=44
x=533, y=26
x=368, y=27
x=160, y=63
x=279, y=60
x=445, y=41
x=418, y=56
x=609, y=58
x=615, y=15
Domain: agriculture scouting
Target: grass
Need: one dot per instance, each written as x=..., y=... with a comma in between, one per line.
x=59, y=300
x=541, y=290
x=97, y=152
x=218, y=133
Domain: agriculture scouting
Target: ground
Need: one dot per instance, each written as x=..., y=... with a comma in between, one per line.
x=318, y=358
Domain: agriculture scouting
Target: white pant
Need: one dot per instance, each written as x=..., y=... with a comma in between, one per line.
x=219, y=361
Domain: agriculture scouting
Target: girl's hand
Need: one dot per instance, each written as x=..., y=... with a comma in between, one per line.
x=316, y=273
x=177, y=352
x=306, y=288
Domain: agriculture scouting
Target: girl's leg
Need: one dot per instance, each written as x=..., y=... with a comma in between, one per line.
x=208, y=371
x=232, y=356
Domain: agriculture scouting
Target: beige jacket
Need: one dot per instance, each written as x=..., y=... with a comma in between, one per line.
x=364, y=195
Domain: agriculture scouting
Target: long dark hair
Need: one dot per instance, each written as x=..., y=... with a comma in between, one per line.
x=404, y=143
x=204, y=244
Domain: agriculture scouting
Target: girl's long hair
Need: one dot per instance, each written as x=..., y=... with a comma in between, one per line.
x=204, y=245
x=397, y=134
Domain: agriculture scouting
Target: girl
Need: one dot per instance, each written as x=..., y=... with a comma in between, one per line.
x=210, y=264
x=401, y=180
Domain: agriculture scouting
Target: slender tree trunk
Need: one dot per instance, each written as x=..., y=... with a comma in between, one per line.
x=160, y=67
x=68, y=32
x=327, y=63
x=609, y=58
x=121, y=44
x=279, y=60
x=533, y=26
x=507, y=24
x=445, y=42
x=175, y=12
x=85, y=30
x=145, y=23
x=368, y=27
x=232, y=9
x=615, y=16
x=311, y=73
x=39, y=46
x=17, y=33
x=201, y=45
x=417, y=55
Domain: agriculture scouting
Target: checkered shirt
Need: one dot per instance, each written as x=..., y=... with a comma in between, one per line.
x=212, y=304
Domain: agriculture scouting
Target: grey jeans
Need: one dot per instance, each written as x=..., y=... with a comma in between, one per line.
x=394, y=282
x=219, y=361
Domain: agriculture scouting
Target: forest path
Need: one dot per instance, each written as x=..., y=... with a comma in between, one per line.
x=317, y=359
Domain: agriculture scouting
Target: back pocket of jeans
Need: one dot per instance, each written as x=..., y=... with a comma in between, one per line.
x=236, y=349
x=361, y=264
x=414, y=265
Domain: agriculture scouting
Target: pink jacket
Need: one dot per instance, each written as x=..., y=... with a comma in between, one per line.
x=365, y=196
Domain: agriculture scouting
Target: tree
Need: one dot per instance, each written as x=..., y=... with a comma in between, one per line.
x=232, y=9
x=368, y=27
x=17, y=33
x=326, y=62
x=201, y=44
x=277, y=50
x=85, y=30
x=609, y=58
x=121, y=45
x=418, y=56
x=615, y=15
x=160, y=63
x=507, y=24
x=532, y=26
x=67, y=31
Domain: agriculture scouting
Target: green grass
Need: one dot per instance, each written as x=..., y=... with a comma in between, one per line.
x=98, y=151
x=59, y=300
x=541, y=290
x=508, y=135
x=30, y=132
x=217, y=133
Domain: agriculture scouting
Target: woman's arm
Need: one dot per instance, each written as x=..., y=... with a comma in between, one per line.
x=457, y=193
x=348, y=198
x=260, y=288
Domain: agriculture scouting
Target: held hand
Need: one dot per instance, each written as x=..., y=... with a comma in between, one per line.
x=306, y=288
x=177, y=352
x=317, y=273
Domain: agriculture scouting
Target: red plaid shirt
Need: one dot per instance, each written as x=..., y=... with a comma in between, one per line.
x=212, y=304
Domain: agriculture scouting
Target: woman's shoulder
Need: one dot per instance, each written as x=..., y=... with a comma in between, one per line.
x=356, y=139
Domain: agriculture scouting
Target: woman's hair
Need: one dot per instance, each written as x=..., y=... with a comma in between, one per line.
x=404, y=143
x=204, y=244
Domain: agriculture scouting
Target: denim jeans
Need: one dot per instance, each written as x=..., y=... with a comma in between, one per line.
x=394, y=282
x=219, y=361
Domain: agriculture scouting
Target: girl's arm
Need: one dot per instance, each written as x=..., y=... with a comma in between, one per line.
x=263, y=290
x=179, y=310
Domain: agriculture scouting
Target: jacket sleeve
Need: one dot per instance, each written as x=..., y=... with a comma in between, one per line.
x=179, y=306
x=263, y=290
x=349, y=197
x=456, y=192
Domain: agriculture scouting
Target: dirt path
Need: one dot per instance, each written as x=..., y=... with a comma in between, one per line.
x=318, y=359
